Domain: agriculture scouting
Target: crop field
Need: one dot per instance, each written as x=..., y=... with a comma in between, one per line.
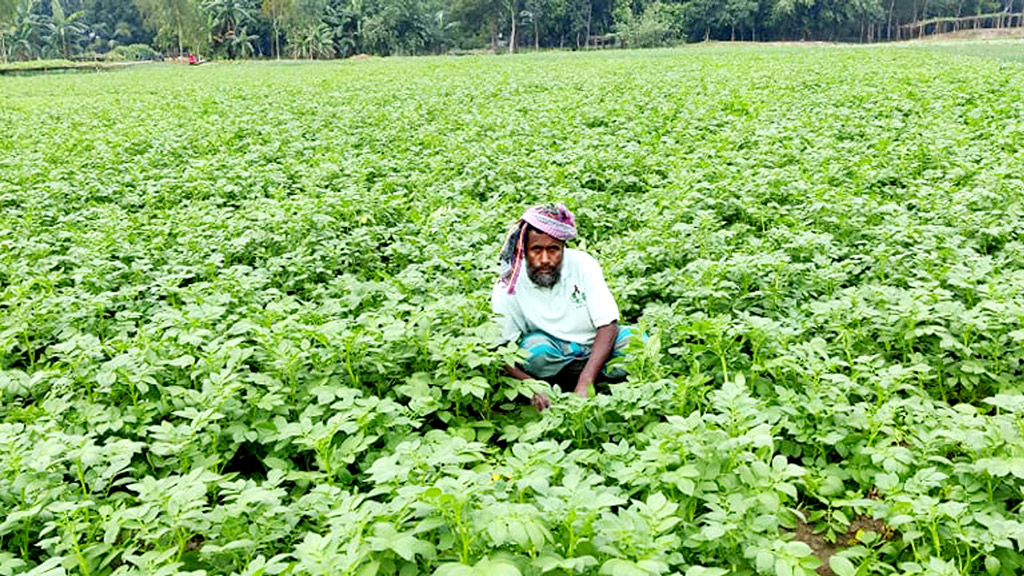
x=1010, y=50
x=245, y=316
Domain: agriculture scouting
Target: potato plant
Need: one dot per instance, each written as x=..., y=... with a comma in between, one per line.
x=245, y=325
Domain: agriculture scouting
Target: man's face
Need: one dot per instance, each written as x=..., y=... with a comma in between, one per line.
x=543, y=258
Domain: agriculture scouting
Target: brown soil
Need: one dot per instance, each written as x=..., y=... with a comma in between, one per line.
x=195, y=543
x=824, y=549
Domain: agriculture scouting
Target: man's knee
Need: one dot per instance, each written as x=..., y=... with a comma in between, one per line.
x=544, y=356
x=542, y=362
x=626, y=334
x=616, y=371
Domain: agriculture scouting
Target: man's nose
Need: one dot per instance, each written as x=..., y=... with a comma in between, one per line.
x=546, y=259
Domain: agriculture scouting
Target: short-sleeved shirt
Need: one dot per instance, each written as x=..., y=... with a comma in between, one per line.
x=571, y=310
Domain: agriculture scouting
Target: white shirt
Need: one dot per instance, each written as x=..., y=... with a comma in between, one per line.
x=571, y=310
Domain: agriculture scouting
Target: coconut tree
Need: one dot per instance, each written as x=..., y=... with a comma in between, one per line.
x=226, y=17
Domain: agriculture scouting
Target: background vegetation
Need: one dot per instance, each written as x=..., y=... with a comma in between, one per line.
x=127, y=29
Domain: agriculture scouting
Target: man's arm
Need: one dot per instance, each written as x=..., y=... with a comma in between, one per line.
x=517, y=373
x=604, y=342
x=540, y=401
x=511, y=330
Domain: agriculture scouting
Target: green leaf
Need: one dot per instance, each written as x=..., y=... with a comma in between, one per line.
x=369, y=569
x=454, y=569
x=620, y=567
x=703, y=571
x=181, y=361
x=841, y=566
x=488, y=567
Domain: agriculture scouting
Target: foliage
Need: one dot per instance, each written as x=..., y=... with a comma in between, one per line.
x=133, y=52
x=180, y=25
x=245, y=329
x=233, y=29
x=650, y=29
x=38, y=65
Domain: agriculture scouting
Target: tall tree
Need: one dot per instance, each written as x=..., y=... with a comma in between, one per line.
x=114, y=23
x=243, y=43
x=511, y=6
x=787, y=17
x=865, y=12
x=274, y=10
x=479, y=19
x=345, y=22
x=64, y=29
x=439, y=29
x=736, y=13
x=303, y=24
x=25, y=39
x=400, y=27
x=7, y=25
x=226, y=17
x=534, y=12
x=582, y=15
x=178, y=21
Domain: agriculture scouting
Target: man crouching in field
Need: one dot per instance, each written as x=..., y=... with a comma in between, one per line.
x=561, y=312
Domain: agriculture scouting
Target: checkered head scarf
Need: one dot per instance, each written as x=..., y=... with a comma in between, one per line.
x=554, y=220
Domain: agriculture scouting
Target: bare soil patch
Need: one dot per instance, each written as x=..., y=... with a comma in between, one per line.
x=824, y=549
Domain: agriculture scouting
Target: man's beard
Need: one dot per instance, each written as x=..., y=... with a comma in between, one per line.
x=544, y=279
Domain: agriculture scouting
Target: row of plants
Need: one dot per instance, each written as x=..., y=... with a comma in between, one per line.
x=238, y=337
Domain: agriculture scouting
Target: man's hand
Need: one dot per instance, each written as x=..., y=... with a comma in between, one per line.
x=604, y=342
x=540, y=402
x=583, y=388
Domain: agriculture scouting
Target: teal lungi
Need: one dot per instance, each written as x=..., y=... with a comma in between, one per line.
x=549, y=355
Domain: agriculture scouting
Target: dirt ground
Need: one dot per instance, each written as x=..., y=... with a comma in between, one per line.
x=824, y=549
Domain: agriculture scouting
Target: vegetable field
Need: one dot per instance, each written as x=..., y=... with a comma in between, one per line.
x=245, y=320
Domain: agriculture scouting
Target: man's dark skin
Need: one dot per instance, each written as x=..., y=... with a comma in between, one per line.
x=544, y=259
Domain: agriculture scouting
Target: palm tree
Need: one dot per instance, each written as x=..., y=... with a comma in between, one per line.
x=64, y=29
x=244, y=43
x=7, y=27
x=27, y=26
x=315, y=40
x=226, y=17
x=401, y=27
x=438, y=31
x=342, y=23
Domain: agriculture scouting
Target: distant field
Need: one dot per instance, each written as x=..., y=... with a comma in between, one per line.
x=245, y=329
x=1002, y=49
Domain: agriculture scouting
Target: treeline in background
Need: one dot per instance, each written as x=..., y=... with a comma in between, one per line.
x=140, y=29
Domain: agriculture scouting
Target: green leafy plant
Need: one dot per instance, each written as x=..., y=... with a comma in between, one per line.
x=245, y=323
